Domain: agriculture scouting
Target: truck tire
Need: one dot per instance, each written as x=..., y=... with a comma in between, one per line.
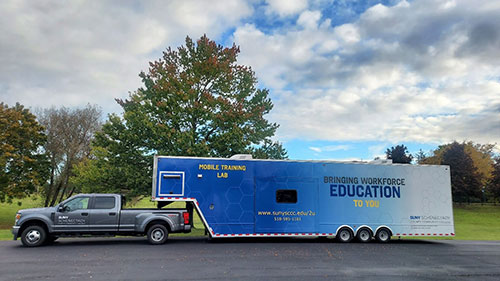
x=157, y=234
x=344, y=235
x=383, y=235
x=33, y=236
x=364, y=235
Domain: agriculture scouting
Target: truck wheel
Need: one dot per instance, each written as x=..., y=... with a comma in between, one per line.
x=157, y=234
x=364, y=235
x=383, y=235
x=344, y=235
x=33, y=236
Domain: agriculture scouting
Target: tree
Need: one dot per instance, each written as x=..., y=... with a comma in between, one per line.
x=465, y=179
x=494, y=183
x=196, y=101
x=399, y=154
x=69, y=134
x=420, y=156
x=22, y=163
x=481, y=155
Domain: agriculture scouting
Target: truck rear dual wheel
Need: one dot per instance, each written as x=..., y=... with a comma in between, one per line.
x=33, y=236
x=157, y=234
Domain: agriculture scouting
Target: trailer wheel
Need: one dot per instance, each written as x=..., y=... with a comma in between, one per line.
x=383, y=235
x=157, y=234
x=364, y=235
x=33, y=236
x=344, y=235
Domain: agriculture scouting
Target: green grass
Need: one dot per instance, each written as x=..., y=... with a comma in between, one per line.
x=8, y=211
x=5, y=234
x=476, y=222
x=472, y=222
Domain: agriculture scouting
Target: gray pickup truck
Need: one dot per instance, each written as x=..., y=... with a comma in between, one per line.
x=98, y=215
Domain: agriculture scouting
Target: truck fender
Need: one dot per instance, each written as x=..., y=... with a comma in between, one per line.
x=38, y=218
x=142, y=226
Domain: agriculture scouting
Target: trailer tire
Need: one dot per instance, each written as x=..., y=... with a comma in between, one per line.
x=157, y=234
x=383, y=235
x=33, y=236
x=364, y=235
x=345, y=235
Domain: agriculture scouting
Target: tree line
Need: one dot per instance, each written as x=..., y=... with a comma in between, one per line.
x=196, y=100
x=474, y=168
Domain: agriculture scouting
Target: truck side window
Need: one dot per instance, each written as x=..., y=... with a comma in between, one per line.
x=104, y=203
x=78, y=203
x=286, y=196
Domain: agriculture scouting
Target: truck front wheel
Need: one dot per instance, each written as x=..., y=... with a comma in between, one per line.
x=33, y=236
x=157, y=234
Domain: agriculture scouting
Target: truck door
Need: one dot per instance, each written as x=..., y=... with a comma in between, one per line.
x=104, y=214
x=286, y=205
x=73, y=215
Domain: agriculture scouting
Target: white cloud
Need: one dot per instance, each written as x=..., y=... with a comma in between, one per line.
x=423, y=70
x=315, y=149
x=309, y=19
x=330, y=148
x=73, y=53
x=286, y=7
x=418, y=71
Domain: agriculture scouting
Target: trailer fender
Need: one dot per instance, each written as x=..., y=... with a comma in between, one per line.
x=344, y=225
x=363, y=226
x=383, y=226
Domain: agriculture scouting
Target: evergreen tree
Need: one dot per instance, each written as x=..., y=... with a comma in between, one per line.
x=399, y=154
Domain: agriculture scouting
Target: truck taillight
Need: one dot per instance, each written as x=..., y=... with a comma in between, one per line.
x=186, y=218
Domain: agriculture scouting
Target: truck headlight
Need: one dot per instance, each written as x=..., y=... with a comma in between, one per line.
x=18, y=216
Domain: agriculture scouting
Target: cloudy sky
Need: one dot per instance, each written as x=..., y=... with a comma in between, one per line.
x=348, y=78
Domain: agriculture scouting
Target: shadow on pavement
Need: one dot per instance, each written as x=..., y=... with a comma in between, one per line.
x=100, y=241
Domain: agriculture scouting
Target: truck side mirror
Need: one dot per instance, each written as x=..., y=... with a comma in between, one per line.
x=62, y=208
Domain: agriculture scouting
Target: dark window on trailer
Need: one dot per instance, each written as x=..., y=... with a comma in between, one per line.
x=104, y=203
x=286, y=196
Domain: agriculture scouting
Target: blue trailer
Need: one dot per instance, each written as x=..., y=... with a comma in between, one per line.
x=244, y=197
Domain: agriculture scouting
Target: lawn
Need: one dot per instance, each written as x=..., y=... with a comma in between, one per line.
x=472, y=222
x=476, y=222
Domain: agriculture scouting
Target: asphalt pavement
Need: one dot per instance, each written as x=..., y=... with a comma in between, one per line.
x=256, y=259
